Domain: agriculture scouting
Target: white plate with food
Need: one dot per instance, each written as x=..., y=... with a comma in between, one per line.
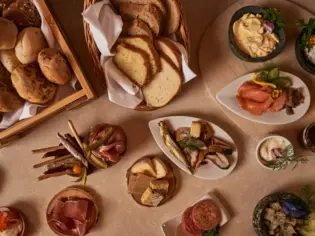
x=268, y=96
x=198, y=147
x=184, y=224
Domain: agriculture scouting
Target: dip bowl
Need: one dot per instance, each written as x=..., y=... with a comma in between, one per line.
x=301, y=57
x=260, y=160
x=244, y=56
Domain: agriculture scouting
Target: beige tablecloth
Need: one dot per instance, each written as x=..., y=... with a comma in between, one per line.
x=120, y=215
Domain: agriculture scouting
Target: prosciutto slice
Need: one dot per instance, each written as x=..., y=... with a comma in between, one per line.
x=116, y=145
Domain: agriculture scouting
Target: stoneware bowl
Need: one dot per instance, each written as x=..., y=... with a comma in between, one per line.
x=300, y=55
x=258, y=215
x=240, y=54
x=262, y=162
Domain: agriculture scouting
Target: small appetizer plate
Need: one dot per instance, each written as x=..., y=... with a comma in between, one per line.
x=209, y=171
x=19, y=215
x=169, y=227
x=261, y=161
x=227, y=97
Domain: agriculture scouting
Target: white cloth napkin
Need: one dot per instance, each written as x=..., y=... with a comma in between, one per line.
x=106, y=27
x=29, y=109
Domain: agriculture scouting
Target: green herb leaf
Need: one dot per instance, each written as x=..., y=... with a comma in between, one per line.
x=308, y=29
x=273, y=15
x=308, y=195
x=212, y=232
x=191, y=143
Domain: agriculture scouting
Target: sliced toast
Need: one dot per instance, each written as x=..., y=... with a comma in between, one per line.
x=158, y=3
x=149, y=13
x=133, y=62
x=145, y=44
x=164, y=86
x=165, y=46
x=137, y=27
x=174, y=17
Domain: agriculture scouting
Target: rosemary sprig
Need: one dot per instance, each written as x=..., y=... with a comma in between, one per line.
x=308, y=195
x=288, y=157
x=308, y=29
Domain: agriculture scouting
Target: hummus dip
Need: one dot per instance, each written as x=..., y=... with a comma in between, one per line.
x=272, y=149
x=251, y=37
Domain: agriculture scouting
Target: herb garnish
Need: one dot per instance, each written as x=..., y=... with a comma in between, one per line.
x=212, y=232
x=191, y=143
x=288, y=157
x=308, y=195
x=308, y=29
x=273, y=15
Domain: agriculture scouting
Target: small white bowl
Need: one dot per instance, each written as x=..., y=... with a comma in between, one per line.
x=259, y=159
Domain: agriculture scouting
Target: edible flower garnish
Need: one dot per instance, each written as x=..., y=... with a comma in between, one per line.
x=294, y=210
x=272, y=17
x=269, y=26
x=276, y=93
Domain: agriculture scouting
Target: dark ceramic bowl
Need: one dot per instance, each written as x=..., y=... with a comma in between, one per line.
x=258, y=216
x=240, y=54
x=300, y=55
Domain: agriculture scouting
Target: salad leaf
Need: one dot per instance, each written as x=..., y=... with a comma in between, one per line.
x=308, y=29
x=308, y=195
x=282, y=82
x=212, y=232
x=273, y=15
x=191, y=143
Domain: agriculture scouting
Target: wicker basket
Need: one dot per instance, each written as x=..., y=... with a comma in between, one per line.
x=182, y=36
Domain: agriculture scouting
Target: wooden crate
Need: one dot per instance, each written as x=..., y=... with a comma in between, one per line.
x=80, y=97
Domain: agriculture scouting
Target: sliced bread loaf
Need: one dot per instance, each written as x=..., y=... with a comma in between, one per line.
x=145, y=44
x=157, y=3
x=174, y=17
x=164, y=86
x=133, y=62
x=149, y=13
x=137, y=27
x=165, y=46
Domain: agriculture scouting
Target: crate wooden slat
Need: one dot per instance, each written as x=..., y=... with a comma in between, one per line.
x=19, y=129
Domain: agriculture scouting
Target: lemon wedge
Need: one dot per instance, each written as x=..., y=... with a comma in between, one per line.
x=263, y=83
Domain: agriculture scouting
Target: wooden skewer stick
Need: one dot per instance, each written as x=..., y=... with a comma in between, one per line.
x=48, y=149
x=52, y=161
x=47, y=176
x=75, y=134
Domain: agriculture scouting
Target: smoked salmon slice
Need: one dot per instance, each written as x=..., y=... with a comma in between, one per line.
x=279, y=102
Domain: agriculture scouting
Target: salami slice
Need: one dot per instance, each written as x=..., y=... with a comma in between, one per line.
x=188, y=224
x=206, y=215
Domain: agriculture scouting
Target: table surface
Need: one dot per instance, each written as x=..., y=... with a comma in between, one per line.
x=120, y=215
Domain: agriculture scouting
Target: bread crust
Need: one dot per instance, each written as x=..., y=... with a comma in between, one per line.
x=174, y=17
x=9, y=99
x=132, y=28
x=9, y=59
x=173, y=48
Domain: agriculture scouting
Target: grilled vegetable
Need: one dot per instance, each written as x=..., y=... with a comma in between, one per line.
x=219, y=160
x=209, y=132
x=172, y=145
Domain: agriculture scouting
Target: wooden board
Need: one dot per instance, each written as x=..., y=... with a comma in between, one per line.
x=19, y=129
x=219, y=66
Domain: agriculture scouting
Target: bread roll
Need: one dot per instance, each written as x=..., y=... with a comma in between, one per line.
x=9, y=100
x=8, y=34
x=5, y=76
x=9, y=59
x=31, y=84
x=30, y=42
x=54, y=66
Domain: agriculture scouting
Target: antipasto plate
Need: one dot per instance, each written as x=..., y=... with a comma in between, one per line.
x=175, y=227
x=229, y=97
x=198, y=147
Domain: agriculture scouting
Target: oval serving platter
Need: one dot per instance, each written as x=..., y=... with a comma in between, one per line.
x=208, y=171
x=227, y=97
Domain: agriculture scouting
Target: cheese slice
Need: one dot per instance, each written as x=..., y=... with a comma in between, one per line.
x=150, y=198
x=160, y=186
x=138, y=183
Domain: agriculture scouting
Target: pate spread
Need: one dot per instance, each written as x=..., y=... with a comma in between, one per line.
x=251, y=37
x=272, y=148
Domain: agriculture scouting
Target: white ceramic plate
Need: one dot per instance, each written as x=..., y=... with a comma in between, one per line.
x=169, y=227
x=208, y=171
x=227, y=97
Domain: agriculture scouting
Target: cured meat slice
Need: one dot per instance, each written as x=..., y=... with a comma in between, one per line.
x=115, y=146
x=279, y=102
x=76, y=209
x=206, y=215
x=188, y=224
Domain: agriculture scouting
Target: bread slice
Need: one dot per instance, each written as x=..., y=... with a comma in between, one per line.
x=137, y=28
x=165, y=46
x=158, y=3
x=145, y=44
x=160, y=168
x=164, y=86
x=174, y=17
x=134, y=63
x=149, y=13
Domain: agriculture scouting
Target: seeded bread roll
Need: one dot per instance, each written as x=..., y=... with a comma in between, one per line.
x=54, y=66
x=8, y=34
x=31, y=84
x=164, y=86
x=134, y=63
x=144, y=43
x=137, y=28
x=5, y=76
x=30, y=42
x=3, y=5
x=149, y=13
x=9, y=99
x=9, y=59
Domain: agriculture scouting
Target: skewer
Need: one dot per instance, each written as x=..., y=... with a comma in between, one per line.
x=52, y=161
x=75, y=134
x=47, y=176
x=47, y=149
